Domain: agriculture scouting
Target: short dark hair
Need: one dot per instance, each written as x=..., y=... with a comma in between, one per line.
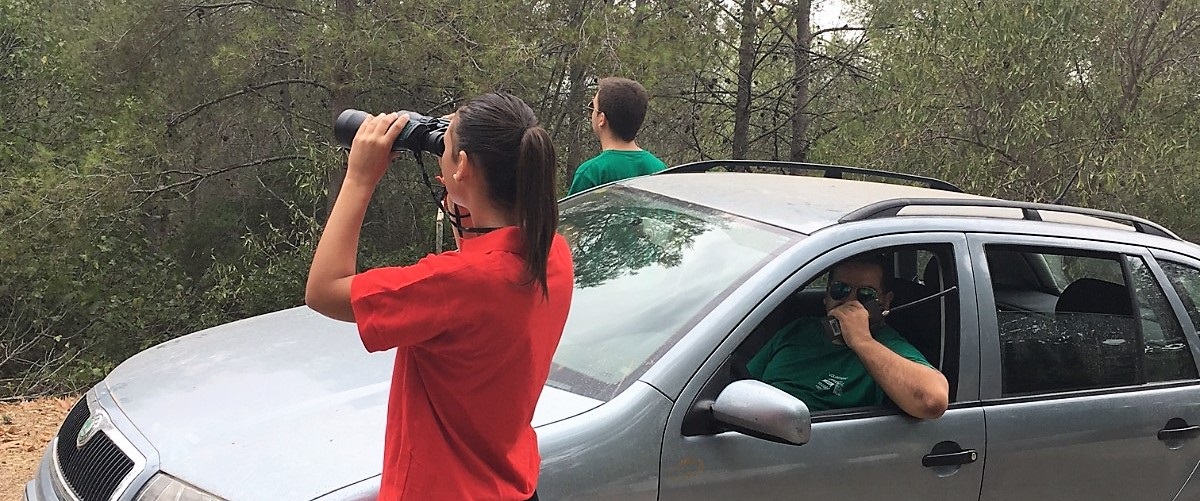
x=873, y=259
x=623, y=102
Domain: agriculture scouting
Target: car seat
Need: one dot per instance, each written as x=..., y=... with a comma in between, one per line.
x=1095, y=317
x=930, y=326
x=1090, y=295
x=1069, y=352
x=922, y=324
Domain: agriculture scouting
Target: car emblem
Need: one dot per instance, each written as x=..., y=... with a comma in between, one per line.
x=89, y=429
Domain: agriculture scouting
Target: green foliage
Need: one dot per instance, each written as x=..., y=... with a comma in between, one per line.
x=1014, y=99
x=167, y=166
x=266, y=274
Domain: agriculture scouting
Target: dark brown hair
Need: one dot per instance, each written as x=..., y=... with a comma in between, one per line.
x=623, y=102
x=502, y=135
x=875, y=260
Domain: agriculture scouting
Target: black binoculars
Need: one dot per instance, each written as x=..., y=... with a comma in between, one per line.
x=421, y=133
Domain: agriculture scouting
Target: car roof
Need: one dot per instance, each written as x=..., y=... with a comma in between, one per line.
x=800, y=203
x=806, y=204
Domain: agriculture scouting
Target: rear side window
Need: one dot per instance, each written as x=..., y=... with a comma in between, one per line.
x=1088, y=320
x=1186, y=281
x=1165, y=349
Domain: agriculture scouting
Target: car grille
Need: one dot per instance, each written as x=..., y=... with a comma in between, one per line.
x=94, y=471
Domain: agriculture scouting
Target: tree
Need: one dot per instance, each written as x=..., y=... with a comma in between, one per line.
x=802, y=62
x=748, y=26
x=1014, y=98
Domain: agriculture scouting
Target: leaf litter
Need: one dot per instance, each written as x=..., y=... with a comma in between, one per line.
x=26, y=428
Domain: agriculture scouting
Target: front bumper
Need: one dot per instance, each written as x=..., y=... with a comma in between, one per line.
x=40, y=488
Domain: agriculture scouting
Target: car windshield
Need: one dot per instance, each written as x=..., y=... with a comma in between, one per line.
x=647, y=268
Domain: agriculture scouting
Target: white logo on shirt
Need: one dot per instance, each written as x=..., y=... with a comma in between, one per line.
x=832, y=383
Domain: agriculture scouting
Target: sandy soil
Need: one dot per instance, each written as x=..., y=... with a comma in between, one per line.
x=25, y=430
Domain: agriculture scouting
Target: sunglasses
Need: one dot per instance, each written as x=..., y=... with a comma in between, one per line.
x=839, y=291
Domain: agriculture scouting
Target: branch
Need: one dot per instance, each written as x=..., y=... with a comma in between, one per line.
x=725, y=8
x=197, y=177
x=848, y=54
x=177, y=119
x=200, y=7
x=846, y=27
x=1011, y=160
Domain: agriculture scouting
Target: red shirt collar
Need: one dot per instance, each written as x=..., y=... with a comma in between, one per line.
x=507, y=239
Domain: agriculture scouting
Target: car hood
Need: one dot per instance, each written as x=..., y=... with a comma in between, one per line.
x=287, y=405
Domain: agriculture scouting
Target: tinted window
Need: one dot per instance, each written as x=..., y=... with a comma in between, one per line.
x=1166, y=354
x=1186, y=281
x=646, y=269
x=1098, y=330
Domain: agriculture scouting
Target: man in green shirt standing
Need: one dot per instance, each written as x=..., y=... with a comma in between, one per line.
x=860, y=369
x=617, y=112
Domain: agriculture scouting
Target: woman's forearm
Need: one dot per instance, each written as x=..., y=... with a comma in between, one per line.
x=335, y=261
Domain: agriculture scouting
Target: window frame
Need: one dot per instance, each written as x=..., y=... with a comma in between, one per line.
x=715, y=373
x=991, y=375
x=1191, y=330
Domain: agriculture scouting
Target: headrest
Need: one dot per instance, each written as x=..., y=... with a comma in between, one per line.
x=1090, y=295
x=933, y=272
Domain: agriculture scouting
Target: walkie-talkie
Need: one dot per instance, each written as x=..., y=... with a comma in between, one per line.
x=833, y=328
x=876, y=314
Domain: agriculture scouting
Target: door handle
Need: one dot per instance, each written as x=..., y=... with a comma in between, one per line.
x=950, y=458
x=1178, y=429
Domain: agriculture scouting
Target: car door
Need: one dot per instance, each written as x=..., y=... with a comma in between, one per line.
x=1183, y=273
x=853, y=454
x=1089, y=385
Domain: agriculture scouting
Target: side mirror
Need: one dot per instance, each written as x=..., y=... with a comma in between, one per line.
x=763, y=411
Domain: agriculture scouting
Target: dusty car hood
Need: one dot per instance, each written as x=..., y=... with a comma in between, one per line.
x=287, y=405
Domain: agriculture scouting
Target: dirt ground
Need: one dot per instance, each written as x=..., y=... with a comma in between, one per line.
x=25, y=429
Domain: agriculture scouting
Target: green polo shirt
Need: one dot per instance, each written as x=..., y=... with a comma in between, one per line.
x=802, y=361
x=614, y=165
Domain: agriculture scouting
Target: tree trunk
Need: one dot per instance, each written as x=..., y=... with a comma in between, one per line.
x=340, y=99
x=803, y=69
x=745, y=79
x=575, y=122
x=574, y=125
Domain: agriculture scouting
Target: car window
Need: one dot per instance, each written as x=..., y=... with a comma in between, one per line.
x=1165, y=349
x=1057, y=269
x=1099, y=331
x=928, y=330
x=646, y=269
x=1030, y=282
x=1018, y=274
x=1186, y=281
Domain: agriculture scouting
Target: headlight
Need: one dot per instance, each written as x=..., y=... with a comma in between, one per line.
x=163, y=487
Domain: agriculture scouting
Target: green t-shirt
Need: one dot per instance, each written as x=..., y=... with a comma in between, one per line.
x=614, y=165
x=802, y=361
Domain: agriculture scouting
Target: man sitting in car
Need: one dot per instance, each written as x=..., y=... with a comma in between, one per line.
x=862, y=368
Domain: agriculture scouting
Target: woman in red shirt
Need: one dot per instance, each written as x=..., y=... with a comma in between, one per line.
x=474, y=329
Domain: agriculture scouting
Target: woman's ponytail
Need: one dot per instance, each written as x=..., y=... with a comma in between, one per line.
x=536, y=202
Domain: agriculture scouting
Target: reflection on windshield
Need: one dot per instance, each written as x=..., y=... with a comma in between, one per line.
x=646, y=270
x=622, y=240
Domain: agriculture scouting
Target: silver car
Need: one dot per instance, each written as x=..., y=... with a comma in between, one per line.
x=1068, y=336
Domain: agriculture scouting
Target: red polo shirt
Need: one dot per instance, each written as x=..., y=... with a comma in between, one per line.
x=474, y=344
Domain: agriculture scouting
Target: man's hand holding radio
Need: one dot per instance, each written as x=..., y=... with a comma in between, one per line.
x=855, y=323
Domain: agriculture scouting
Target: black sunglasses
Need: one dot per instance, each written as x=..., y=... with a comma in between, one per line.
x=839, y=291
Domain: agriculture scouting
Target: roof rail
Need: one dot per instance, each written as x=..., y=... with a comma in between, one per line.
x=1029, y=210
x=829, y=171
